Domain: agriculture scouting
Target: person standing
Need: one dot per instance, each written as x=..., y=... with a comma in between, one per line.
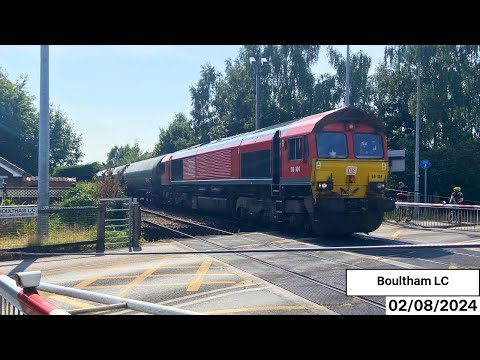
x=402, y=195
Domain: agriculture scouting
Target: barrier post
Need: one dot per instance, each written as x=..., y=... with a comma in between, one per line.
x=101, y=228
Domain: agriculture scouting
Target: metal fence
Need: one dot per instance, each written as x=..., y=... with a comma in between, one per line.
x=61, y=226
x=114, y=221
x=460, y=217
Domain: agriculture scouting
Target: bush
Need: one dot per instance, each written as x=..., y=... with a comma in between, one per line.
x=84, y=194
x=81, y=172
x=6, y=202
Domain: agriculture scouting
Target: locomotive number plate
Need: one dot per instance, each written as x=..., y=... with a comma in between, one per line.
x=351, y=170
x=376, y=177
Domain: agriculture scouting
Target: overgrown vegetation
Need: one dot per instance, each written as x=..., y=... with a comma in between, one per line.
x=80, y=172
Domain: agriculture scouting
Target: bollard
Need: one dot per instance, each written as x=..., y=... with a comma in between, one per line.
x=137, y=223
x=101, y=228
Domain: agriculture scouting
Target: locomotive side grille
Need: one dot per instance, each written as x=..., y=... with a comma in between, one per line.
x=214, y=165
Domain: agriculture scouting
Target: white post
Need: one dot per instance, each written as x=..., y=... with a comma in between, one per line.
x=43, y=145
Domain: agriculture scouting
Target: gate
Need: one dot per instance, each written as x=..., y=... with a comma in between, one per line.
x=118, y=220
x=122, y=221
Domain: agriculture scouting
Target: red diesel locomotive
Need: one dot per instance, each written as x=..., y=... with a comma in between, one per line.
x=326, y=172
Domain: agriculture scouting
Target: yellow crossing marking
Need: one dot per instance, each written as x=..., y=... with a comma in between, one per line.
x=265, y=308
x=69, y=301
x=86, y=282
x=158, y=275
x=169, y=284
x=202, y=270
x=143, y=276
x=395, y=234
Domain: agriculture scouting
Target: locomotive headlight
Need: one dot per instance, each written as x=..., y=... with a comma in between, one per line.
x=377, y=186
x=321, y=186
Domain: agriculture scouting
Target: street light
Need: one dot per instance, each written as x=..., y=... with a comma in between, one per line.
x=256, y=69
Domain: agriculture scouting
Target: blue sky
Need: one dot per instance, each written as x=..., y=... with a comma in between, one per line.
x=115, y=95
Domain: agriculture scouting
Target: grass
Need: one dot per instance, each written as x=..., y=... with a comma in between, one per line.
x=59, y=235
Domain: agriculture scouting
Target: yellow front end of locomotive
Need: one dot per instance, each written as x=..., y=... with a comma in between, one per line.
x=352, y=179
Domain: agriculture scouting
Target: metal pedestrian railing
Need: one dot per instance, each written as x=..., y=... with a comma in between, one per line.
x=460, y=217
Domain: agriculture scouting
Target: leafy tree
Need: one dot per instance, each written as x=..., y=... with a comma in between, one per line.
x=121, y=155
x=449, y=110
x=19, y=129
x=203, y=112
x=18, y=124
x=179, y=135
x=65, y=144
x=361, y=90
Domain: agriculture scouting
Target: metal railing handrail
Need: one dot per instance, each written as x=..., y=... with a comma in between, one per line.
x=438, y=206
x=136, y=305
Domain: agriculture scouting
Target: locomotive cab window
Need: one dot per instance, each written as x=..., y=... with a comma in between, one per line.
x=368, y=146
x=295, y=149
x=332, y=145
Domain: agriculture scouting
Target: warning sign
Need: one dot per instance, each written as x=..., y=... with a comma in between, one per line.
x=18, y=212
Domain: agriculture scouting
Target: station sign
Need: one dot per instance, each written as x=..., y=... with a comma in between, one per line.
x=9, y=212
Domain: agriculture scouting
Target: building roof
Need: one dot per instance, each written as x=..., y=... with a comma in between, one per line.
x=11, y=168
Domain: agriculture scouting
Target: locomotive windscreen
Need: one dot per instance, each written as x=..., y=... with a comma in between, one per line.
x=332, y=145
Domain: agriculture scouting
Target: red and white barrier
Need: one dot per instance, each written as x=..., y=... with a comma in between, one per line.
x=27, y=301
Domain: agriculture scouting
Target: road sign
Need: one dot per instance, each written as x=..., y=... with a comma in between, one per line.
x=425, y=164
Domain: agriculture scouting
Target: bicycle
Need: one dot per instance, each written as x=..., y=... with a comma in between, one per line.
x=402, y=212
x=454, y=217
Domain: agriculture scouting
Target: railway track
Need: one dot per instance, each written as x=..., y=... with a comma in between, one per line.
x=379, y=306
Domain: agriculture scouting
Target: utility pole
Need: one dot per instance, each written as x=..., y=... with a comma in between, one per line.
x=256, y=69
x=417, y=137
x=347, y=80
x=43, y=146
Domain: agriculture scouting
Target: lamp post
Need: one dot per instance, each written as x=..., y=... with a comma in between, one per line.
x=347, y=80
x=256, y=69
x=417, y=140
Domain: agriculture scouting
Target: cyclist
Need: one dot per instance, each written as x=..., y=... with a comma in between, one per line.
x=456, y=198
x=402, y=196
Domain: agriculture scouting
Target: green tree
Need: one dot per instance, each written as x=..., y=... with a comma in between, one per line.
x=449, y=110
x=65, y=144
x=203, y=112
x=361, y=90
x=19, y=129
x=18, y=124
x=178, y=135
x=121, y=155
